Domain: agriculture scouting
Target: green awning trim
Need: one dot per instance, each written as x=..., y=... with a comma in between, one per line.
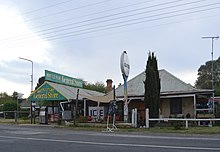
x=46, y=92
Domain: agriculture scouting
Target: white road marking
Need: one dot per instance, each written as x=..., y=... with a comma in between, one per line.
x=111, y=144
x=25, y=132
x=159, y=137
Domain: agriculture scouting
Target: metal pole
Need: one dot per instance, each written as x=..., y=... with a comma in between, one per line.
x=213, y=93
x=32, y=75
x=125, y=99
x=32, y=81
x=32, y=71
x=17, y=116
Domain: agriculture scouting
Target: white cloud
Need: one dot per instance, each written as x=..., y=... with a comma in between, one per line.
x=13, y=46
x=187, y=76
x=9, y=87
x=17, y=39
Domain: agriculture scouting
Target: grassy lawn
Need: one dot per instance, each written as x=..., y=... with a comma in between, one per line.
x=12, y=121
x=191, y=130
x=126, y=128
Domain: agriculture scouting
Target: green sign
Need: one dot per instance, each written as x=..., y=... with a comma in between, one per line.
x=46, y=92
x=62, y=79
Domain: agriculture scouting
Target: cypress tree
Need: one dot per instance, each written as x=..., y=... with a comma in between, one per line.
x=152, y=86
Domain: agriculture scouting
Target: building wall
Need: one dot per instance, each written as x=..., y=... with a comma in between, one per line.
x=187, y=107
x=165, y=108
x=141, y=110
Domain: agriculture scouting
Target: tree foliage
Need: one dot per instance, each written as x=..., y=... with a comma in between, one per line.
x=4, y=97
x=98, y=86
x=204, y=80
x=9, y=103
x=152, y=86
x=41, y=80
x=10, y=106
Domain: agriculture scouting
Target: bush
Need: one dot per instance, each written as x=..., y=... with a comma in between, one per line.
x=177, y=125
x=82, y=119
x=24, y=113
x=10, y=106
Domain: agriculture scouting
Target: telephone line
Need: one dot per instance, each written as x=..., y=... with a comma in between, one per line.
x=61, y=21
x=46, y=7
x=118, y=26
x=66, y=25
x=61, y=12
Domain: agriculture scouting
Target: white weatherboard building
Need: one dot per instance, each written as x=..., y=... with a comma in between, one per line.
x=177, y=99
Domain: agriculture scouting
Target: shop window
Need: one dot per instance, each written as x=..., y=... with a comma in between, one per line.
x=176, y=106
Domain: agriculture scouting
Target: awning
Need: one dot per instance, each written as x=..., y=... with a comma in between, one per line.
x=50, y=91
x=102, y=99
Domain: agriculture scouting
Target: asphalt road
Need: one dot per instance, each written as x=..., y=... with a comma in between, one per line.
x=14, y=138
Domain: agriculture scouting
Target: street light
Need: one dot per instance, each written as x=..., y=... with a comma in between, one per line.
x=213, y=93
x=32, y=77
x=32, y=66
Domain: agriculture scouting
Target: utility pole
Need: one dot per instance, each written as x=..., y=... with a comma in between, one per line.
x=32, y=67
x=32, y=81
x=212, y=54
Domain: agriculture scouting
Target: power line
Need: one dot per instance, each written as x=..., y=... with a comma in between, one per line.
x=95, y=29
x=137, y=29
x=76, y=18
x=123, y=25
x=117, y=26
x=61, y=12
x=101, y=12
x=112, y=15
x=46, y=7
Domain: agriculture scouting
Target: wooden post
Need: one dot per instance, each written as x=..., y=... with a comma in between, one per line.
x=76, y=107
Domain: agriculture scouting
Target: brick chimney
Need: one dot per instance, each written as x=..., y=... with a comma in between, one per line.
x=109, y=85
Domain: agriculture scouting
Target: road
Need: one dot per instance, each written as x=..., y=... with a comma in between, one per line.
x=20, y=138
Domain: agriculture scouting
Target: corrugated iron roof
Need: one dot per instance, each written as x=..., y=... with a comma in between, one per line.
x=169, y=83
x=70, y=92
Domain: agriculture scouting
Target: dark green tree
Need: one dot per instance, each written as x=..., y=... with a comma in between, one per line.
x=98, y=86
x=204, y=80
x=41, y=80
x=4, y=97
x=10, y=106
x=152, y=86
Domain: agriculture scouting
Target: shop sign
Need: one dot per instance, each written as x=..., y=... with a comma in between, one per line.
x=46, y=92
x=62, y=79
x=124, y=63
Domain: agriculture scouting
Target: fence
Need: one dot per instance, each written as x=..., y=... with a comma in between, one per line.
x=186, y=120
x=14, y=115
x=211, y=121
x=179, y=119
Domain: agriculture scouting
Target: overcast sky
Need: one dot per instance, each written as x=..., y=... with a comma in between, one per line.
x=85, y=38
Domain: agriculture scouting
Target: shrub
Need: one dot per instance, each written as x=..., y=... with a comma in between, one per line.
x=10, y=106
